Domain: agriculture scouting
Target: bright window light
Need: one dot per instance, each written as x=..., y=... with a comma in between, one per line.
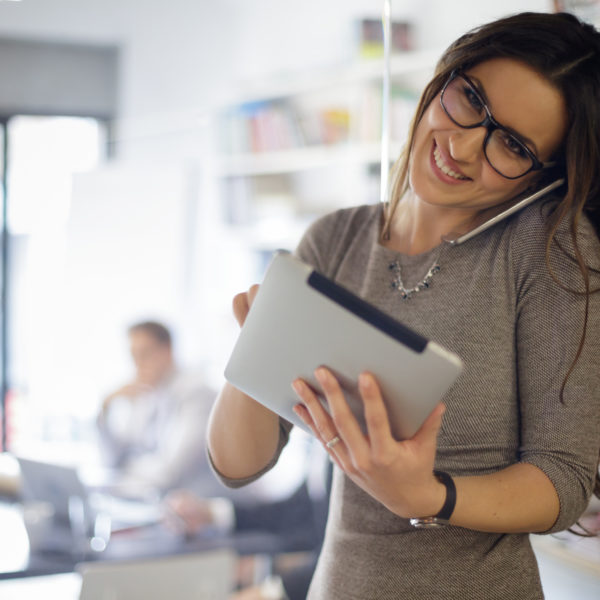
x=44, y=154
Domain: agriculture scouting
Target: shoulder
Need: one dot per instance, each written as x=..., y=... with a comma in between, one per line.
x=532, y=227
x=329, y=235
x=532, y=254
x=346, y=221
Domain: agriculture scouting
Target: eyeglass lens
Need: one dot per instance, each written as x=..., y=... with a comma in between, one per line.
x=466, y=108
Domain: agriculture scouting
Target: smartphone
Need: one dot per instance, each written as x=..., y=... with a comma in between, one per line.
x=455, y=238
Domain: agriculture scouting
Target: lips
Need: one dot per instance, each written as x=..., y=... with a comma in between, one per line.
x=443, y=169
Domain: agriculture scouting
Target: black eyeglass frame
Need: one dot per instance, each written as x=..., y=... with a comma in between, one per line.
x=491, y=125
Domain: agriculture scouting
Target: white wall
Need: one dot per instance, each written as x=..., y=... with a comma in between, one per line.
x=180, y=56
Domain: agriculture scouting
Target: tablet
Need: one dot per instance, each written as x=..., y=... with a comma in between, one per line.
x=301, y=320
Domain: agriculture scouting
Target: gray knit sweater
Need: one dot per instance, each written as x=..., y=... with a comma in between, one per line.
x=495, y=305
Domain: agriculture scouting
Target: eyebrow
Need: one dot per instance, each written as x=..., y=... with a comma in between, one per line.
x=481, y=91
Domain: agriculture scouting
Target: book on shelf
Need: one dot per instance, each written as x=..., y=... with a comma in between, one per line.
x=273, y=126
x=262, y=126
x=315, y=120
x=367, y=126
x=370, y=37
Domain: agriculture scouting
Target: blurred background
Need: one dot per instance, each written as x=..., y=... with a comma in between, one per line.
x=153, y=155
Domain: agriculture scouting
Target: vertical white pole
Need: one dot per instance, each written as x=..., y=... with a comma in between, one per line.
x=385, y=105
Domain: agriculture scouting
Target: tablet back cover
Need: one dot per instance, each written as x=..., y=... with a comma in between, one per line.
x=300, y=320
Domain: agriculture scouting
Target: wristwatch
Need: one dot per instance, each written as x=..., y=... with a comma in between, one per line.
x=443, y=517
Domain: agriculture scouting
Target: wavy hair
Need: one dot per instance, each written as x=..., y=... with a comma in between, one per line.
x=566, y=52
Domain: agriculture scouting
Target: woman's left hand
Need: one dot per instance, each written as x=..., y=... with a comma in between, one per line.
x=397, y=474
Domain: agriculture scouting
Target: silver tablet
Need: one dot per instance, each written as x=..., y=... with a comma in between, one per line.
x=301, y=320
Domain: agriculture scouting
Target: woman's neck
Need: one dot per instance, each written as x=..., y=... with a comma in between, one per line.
x=418, y=227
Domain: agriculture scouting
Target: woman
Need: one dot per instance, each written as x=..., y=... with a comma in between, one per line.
x=513, y=106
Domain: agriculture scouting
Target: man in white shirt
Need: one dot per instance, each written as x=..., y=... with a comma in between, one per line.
x=152, y=429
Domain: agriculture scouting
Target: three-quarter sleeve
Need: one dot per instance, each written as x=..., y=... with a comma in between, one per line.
x=284, y=434
x=561, y=436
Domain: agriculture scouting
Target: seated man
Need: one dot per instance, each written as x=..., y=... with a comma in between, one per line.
x=298, y=520
x=152, y=429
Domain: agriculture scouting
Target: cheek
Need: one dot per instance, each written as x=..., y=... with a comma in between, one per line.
x=435, y=117
x=435, y=121
x=501, y=188
x=424, y=129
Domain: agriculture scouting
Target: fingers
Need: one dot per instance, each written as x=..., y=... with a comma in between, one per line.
x=303, y=413
x=319, y=421
x=242, y=303
x=428, y=432
x=240, y=307
x=345, y=422
x=376, y=416
x=252, y=293
x=352, y=449
x=185, y=510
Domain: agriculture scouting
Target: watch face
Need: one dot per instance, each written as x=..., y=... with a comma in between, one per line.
x=429, y=522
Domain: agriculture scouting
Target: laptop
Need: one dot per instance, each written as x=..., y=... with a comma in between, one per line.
x=55, y=484
x=61, y=486
x=301, y=320
x=198, y=576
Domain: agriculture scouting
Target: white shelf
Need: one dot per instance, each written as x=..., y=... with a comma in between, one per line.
x=301, y=159
x=409, y=63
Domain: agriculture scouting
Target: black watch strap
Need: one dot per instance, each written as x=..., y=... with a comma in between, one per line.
x=448, y=508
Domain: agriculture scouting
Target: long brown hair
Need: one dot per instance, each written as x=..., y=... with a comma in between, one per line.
x=567, y=53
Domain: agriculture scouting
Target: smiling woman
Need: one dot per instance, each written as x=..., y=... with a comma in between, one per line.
x=514, y=447
x=463, y=160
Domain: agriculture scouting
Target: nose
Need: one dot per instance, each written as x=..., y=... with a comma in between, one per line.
x=466, y=145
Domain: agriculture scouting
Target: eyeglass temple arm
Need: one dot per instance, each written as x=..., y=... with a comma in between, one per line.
x=456, y=239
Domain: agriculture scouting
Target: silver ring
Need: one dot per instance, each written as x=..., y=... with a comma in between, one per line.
x=333, y=441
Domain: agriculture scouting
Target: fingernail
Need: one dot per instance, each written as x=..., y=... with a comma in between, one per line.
x=322, y=375
x=364, y=381
x=297, y=386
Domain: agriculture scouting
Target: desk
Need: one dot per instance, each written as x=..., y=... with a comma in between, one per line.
x=16, y=560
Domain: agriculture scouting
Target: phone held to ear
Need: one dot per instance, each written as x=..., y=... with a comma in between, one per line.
x=455, y=238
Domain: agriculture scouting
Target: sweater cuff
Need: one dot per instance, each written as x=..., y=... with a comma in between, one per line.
x=573, y=494
x=284, y=435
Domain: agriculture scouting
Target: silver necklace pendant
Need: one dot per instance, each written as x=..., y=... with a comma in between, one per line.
x=398, y=285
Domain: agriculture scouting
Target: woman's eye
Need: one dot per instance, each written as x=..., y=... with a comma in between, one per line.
x=473, y=99
x=513, y=145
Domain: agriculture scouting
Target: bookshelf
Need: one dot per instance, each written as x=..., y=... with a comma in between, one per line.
x=295, y=147
x=415, y=65
x=300, y=159
x=281, y=153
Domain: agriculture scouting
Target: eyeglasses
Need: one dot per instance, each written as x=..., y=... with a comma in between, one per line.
x=505, y=152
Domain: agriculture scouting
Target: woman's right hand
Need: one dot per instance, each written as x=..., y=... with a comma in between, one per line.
x=243, y=435
x=242, y=303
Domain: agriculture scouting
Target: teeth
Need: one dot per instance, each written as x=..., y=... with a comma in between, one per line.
x=443, y=167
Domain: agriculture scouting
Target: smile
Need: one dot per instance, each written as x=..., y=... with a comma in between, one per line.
x=444, y=168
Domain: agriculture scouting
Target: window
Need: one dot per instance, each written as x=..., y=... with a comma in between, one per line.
x=43, y=155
